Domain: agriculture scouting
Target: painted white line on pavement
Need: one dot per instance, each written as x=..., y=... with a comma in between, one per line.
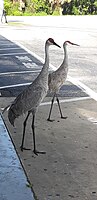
x=66, y=100
x=9, y=48
x=85, y=88
x=11, y=54
x=46, y=103
x=30, y=52
x=7, y=44
x=20, y=72
x=16, y=85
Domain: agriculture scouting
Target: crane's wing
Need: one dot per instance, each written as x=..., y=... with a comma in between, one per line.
x=28, y=100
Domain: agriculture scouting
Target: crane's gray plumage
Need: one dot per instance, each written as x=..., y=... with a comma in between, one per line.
x=30, y=99
x=57, y=78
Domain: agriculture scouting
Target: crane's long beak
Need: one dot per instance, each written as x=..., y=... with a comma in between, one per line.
x=56, y=44
x=75, y=44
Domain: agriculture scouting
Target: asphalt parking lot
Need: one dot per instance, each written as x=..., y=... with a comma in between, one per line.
x=68, y=170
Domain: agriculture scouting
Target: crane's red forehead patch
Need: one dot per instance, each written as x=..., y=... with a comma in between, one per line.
x=71, y=43
x=67, y=41
x=51, y=40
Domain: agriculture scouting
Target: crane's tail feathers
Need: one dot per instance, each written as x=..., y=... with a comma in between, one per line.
x=11, y=116
x=6, y=108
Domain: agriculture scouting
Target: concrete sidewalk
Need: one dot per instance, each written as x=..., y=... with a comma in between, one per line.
x=68, y=170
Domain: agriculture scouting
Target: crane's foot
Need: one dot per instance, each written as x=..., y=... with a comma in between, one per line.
x=38, y=152
x=62, y=117
x=23, y=148
x=50, y=120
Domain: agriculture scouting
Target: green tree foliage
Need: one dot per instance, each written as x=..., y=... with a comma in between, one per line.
x=82, y=7
x=11, y=8
x=38, y=7
x=33, y=7
x=7, y=5
x=43, y=7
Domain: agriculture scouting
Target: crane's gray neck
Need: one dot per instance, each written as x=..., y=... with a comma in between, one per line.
x=65, y=60
x=46, y=63
x=65, y=52
x=44, y=71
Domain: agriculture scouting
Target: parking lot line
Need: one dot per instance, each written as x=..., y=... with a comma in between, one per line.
x=11, y=54
x=20, y=72
x=85, y=88
x=66, y=100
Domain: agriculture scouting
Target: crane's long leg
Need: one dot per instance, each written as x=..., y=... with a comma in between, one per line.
x=60, y=109
x=33, y=130
x=51, y=109
x=24, y=128
x=34, y=142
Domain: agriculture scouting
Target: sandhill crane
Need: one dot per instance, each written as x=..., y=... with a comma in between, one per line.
x=57, y=78
x=31, y=97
